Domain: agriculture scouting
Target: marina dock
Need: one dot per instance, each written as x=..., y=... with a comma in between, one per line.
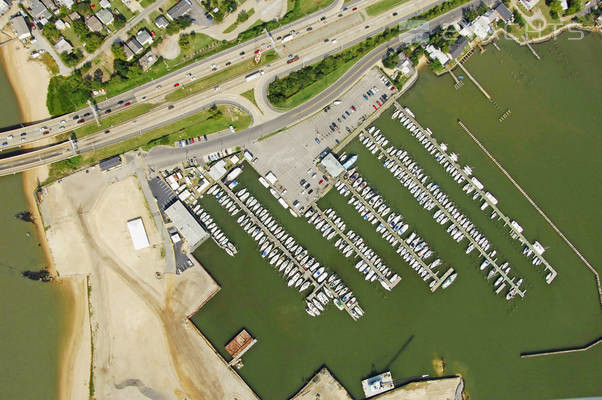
x=507, y=279
x=343, y=236
x=433, y=275
x=494, y=207
x=305, y=273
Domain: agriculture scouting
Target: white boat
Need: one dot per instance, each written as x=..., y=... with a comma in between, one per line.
x=449, y=280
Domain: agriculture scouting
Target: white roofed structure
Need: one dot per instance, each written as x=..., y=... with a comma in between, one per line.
x=332, y=165
x=270, y=177
x=218, y=170
x=138, y=234
x=186, y=224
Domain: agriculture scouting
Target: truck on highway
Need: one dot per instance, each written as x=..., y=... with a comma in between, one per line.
x=254, y=75
x=286, y=38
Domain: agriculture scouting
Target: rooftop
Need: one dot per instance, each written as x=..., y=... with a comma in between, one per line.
x=186, y=224
x=110, y=163
x=332, y=165
x=240, y=344
x=182, y=8
x=138, y=234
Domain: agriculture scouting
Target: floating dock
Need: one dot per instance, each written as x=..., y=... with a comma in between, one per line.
x=431, y=274
x=383, y=278
x=306, y=274
x=481, y=192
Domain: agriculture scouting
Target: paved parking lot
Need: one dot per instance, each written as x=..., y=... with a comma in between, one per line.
x=163, y=193
x=290, y=154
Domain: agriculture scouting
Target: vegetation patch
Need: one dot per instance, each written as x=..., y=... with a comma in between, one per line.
x=115, y=119
x=305, y=83
x=220, y=77
x=250, y=95
x=242, y=17
x=208, y=121
x=382, y=6
x=440, y=9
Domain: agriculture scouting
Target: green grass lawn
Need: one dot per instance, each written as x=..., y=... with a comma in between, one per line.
x=250, y=95
x=199, y=43
x=146, y=3
x=304, y=7
x=195, y=125
x=235, y=24
x=382, y=6
x=114, y=119
x=221, y=76
x=315, y=88
x=123, y=9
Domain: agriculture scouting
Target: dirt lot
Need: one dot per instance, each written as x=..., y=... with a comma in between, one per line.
x=143, y=345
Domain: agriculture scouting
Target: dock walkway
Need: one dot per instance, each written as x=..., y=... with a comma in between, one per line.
x=433, y=275
x=456, y=223
x=343, y=236
x=468, y=179
x=306, y=274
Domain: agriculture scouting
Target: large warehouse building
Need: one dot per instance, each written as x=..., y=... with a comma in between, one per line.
x=186, y=224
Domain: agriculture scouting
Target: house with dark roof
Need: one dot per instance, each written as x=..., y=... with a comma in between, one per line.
x=110, y=163
x=181, y=9
x=504, y=13
x=39, y=10
x=456, y=48
x=133, y=44
x=161, y=22
x=93, y=23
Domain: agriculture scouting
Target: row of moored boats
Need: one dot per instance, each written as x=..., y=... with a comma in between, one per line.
x=214, y=230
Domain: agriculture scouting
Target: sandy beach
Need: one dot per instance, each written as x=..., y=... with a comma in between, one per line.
x=29, y=80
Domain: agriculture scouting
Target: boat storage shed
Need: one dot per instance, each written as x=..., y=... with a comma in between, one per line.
x=138, y=233
x=186, y=224
x=332, y=165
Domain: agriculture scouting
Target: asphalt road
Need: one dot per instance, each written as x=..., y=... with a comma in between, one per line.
x=165, y=156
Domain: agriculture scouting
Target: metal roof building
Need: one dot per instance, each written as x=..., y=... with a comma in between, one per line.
x=110, y=163
x=39, y=10
x=20, y=27
x=186, y=224
x=105, y=16
x=93, y=23
x=332, y=165
x=182, y=8
x=138, y=233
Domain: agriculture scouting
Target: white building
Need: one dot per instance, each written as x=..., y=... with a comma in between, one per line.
x=186, y=224
x=138, y=234
x=529, y=4
x=436, y=54
x=4, y=6
x=218, y=170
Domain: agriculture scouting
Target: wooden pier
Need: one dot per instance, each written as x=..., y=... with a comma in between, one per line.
x=454, y=221
x=431, y=274
x=306, y=274
x=343, y=236
x=481, y=88
x=533, y=51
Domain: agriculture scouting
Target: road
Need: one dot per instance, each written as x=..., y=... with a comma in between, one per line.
x=159, y=87
x=159, y=116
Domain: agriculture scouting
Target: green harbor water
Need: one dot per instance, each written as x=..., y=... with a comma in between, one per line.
x=31, y=321
x=551, y=145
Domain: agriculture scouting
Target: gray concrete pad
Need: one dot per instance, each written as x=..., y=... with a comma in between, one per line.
x=290, y=154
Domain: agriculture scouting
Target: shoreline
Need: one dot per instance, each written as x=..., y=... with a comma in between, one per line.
x=29, y=80
x=72, y=288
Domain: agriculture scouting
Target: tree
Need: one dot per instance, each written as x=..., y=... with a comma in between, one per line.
x=98, y=74
x=184, y=43
x=118, y=51
x=80, y=28
x=93, y=41
x=119, y=21
x=121, y=68
x=51, y=33
x=391, y=60
x=518, y=18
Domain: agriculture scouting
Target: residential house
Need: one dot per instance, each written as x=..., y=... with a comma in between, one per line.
x=134, y=45
x=144, y=37
x=63, y=46
x=564, y=5
x=161, y=22
x=39, y=10
x=529, y=4
x=93, y=23
x=436, y=54
x=60, y=24
x=105, y=16
x=67, y=3
x=181, y=9
x=50, y=5
x=105, y=3
x=404, y=66
x=504, y=13
x=74, y=16
x=20, y=27
x=4, y=6
x=147, y=60
x=456, y=48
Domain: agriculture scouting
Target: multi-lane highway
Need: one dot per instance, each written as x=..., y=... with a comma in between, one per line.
x=163, y=115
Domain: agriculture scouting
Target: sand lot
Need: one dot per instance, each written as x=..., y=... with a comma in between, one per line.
x=142, y=343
